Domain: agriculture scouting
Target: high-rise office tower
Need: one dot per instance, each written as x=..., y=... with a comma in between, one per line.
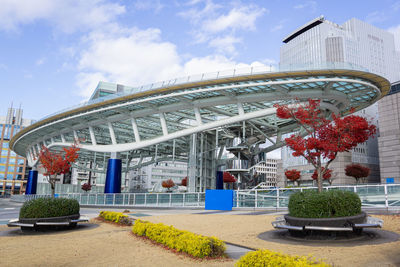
x=354, y=44
x=12, y=167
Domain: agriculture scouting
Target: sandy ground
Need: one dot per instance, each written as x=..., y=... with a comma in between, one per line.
x=106, y=245
x=109, y=245
x=244, y=229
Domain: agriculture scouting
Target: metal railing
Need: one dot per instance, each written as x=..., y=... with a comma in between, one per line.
x=372, y=196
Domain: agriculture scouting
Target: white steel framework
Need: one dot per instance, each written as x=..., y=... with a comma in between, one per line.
x=157, y=123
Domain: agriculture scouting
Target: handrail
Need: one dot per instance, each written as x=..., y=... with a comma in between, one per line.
x=372, y=196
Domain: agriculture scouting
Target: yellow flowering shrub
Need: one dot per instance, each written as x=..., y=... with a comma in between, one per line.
x=267, y=258
x=185, y=241
x=117, y=217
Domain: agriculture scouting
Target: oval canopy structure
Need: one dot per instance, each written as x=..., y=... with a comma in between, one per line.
x=158, y=121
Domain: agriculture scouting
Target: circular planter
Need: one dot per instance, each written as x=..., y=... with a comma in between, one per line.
x=50, y=219
x=347, y=221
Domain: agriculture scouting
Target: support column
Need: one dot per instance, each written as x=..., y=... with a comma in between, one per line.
x=32, y=182
x=113, y=177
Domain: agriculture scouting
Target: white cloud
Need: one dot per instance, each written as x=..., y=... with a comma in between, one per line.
x=396, y=32
x=65, y=15
x=149, y=5
x=242, y=17
x=310, y=5
x=3, y=66
x=127, y=56
x=226, y=43
x=137, y=57
x=219, y=26
x=87, y=82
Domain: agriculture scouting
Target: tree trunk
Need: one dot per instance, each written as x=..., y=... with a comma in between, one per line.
x=53, y=187
x=319, y=179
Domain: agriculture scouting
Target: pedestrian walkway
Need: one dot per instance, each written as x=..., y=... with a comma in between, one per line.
x=234, y=251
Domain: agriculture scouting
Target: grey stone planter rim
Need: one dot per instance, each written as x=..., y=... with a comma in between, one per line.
x=50, y=219
x=334, y=221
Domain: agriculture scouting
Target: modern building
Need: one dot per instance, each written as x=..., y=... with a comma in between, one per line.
x=355, y=43
x=13, y=168
x=266, y=172
x=193, y=119
x=389, y=135
x=157, y=173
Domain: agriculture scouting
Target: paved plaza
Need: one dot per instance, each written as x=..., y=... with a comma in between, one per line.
x=102, y=244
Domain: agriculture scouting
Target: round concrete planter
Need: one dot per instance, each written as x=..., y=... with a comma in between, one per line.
x=50, y=219
x=347, y=221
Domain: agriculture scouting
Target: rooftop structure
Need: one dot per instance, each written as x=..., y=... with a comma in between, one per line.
x=191, y=119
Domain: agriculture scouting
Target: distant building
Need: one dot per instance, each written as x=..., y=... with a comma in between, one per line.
x=162, y=171
x=389, y=135
x=266, y=171
x=355, y=42
x=321, y=42
x=13, y=169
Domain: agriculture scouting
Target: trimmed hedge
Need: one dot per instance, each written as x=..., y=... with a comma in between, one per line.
x=266, y=257
x=184, y=241
x=327, y=204
x=49, y=207
x=117, y=217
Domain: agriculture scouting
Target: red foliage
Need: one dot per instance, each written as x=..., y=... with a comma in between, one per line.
x=57, y=163
x=184, y=181
x=292, y=175
x=86, y=187
x=228, y=178
x=357, y=171
x=324, y=137
x=168, y=184
x=325, y=174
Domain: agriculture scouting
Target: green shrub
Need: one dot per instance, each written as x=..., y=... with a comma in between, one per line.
x=117, y=217
x=327, y=204
x=269, y=258
x=193, y=244
x=49, y=207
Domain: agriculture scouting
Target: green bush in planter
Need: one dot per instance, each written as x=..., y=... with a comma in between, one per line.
x=327, y=204
x=49, y=207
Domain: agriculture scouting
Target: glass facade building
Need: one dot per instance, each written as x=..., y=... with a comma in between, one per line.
x=354, y=42
x=13, y=168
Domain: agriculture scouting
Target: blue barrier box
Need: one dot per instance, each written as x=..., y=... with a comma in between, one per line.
x=219, y=199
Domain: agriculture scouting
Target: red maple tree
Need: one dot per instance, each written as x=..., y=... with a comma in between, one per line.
x=86, y=187
x=292, y=175
x=228, y=178
x=168, y=184
x=357, y=171
x=56, y=163
x=184, y=181
x=321, y=138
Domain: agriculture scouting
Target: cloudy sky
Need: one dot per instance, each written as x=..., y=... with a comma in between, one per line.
x=54, y=52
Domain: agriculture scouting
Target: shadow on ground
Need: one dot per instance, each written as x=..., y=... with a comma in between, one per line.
x=16, y=231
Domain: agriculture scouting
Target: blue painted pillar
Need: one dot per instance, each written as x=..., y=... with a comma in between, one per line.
x=113, y=177
x=32, y=182
x=220, y=180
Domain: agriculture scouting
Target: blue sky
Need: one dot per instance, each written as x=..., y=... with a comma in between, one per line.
x=53, y=52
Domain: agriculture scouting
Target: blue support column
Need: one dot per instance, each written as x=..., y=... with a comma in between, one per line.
x=32, y=183
x=220, y=180
x=113, y=177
